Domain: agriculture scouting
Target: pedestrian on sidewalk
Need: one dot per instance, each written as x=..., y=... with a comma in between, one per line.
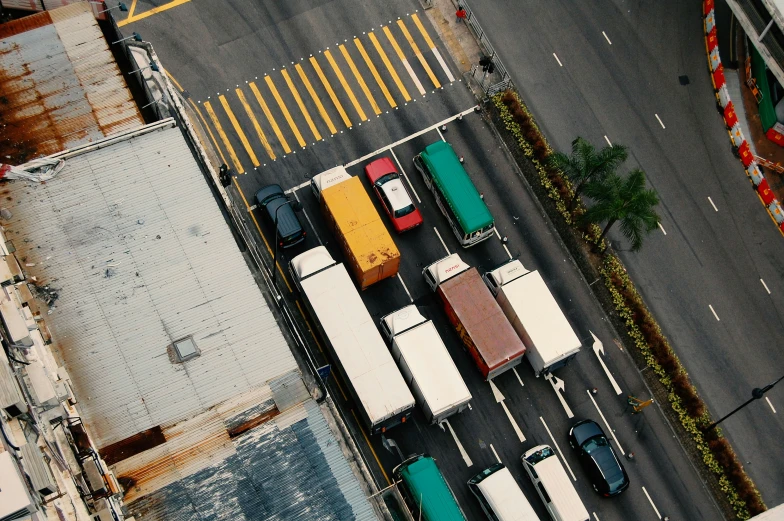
x=460, y=13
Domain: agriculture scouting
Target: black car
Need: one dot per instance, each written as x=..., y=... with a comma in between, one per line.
x=290, y=231
x=597, y=457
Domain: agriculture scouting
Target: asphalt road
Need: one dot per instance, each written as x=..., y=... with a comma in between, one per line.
x=216, y=55
x=709, y=256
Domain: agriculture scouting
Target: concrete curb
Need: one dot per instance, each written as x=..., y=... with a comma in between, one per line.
x=739, y=144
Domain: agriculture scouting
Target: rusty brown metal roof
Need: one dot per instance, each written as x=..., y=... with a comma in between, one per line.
x=59, y=85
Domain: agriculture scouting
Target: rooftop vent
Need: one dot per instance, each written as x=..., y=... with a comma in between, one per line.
x=185, y=349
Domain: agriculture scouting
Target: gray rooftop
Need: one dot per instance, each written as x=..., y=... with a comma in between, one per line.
x=133, y=240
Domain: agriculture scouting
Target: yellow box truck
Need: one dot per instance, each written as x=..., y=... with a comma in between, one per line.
x=348, y=211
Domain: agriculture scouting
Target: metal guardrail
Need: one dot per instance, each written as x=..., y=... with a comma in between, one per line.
x=497, y=81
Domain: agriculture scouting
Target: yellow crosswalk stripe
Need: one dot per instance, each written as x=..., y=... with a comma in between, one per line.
x=256, y=125
x=302, y=107
x=331, y=92
x=285, y=111
x=389, y=67
x=421, y=28
x=359, y=79
x=268, y=115
x=419, y=56
x=224, y=138
x=343, y=82
x=238, y=130
x=316, y=99
x=403, y=60
x=209, y=131
x=373, y=71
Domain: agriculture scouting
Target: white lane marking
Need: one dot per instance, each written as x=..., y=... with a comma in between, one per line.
x=442, y=240
x=662, y=228
x=765, y=285
x=412, y=136
x=404, y=287
x=609, y=429
x=418, y=84
x=559, y=386
x=607, y=139
x=440, y=134
x=499, y=398
x=298, y=187
x=463, y=452
x=658, y=515
x=660, y=121
x=714, y=313
x=556, y=59
x=495, y=453
x=771, y=405
x=598, y=350
x=508, y=252
x=470, y=408
x=558, y=449
x=518, y=377
x=595, y=516
x=405, y=176
x=443, y=65
x=712, y=204
x=496, y=233
x=606, y=37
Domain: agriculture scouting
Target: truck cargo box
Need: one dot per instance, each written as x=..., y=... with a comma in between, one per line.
x=370, y=252
x=427, y=367
x=476, y=316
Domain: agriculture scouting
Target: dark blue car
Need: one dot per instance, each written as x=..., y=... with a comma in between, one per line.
x=598, y=458
x=290, y=231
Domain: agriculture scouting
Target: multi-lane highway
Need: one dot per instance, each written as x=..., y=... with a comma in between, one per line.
x=287, y=92
x=714, y=280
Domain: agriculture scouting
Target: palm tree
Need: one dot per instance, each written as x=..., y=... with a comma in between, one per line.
x=586, y=164
x=625, y=200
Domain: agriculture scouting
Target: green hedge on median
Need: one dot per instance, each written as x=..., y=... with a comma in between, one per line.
x=717, y=454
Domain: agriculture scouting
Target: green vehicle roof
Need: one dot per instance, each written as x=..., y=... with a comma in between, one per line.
x=426, y=485
x=458, y=189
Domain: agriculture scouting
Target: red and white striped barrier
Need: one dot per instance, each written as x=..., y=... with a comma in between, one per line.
x=739, y=143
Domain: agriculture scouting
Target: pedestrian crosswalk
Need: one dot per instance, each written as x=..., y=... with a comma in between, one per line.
x=336, y=88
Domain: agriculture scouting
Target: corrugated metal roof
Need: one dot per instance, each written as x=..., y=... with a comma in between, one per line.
x=276, y=473
x=60, y=85
x=135, y=244
x=134, y=241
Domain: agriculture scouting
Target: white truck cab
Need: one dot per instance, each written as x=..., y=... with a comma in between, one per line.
x=331, y=177
x=444, y=269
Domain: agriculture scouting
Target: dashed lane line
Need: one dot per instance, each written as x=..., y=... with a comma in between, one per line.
x=609, y=429
x=405, y=176
x=285, y=111
x=346, y=87
x=765, y=286
x=661, y=228
x=658, y=515
x=770, y=404
x=714, y=313
x=404, y=287
x=360, y=80
x=556, y=59
x=328, y=88
x=404, y=60
x=495, y=453
x=233, y=155
x=660, y=121
x=388, y=65
x=712, y=204
x=374, y=72
x=558, y=449
x=432, y=47
x=255, y=123
x=606, y=37
x=418, y=54
x=267, y=114
x=309, y=221
x=442, y=240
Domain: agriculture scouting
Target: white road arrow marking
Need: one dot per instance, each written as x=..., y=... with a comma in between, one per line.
x=463, y=452
x=598, y=349
x=558, y=386
x=499, y=398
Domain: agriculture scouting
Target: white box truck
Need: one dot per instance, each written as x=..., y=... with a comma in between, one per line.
x=352, y=339
x=425, y=363
x=529, y=305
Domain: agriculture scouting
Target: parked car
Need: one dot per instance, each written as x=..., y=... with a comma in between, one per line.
x=598, y=458
x=290, y=231
x=392, y=192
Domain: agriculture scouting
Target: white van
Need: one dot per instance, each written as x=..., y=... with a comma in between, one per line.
x=500, y=496
x=553, y=485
